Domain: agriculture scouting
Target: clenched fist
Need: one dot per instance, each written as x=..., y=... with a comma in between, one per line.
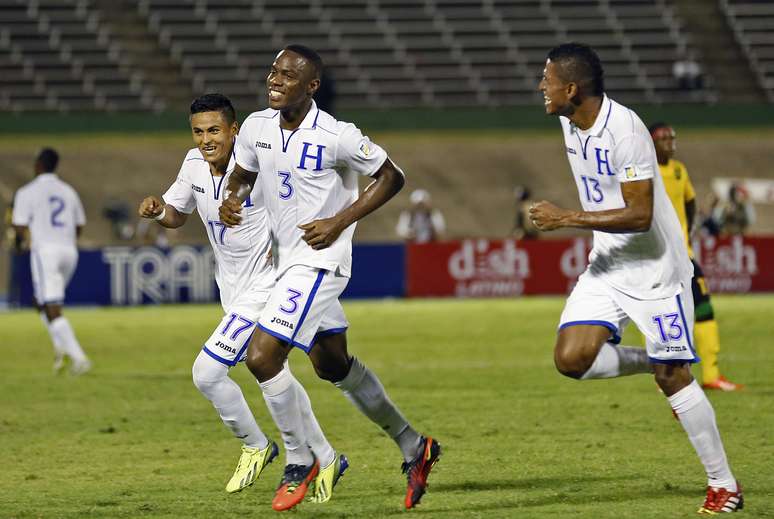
x=150, y=207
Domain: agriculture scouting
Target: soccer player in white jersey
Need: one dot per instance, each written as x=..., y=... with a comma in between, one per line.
x=307, y=164
x=638, y=267
x=245, y=276
x=50, y=211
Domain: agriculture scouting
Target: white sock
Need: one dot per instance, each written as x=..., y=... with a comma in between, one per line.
x=363, y=389
x=211, y=379
x=62, y=334
x=315, y=437
x=282, y=400
x=618, y=361
x=698, y=419
x=54, y=339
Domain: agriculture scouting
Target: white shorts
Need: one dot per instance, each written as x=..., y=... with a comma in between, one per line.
x=52, y=268
x=303, y=305
x=228, y=343
x=667, y=324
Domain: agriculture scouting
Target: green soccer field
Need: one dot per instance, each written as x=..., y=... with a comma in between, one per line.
x=134, y=438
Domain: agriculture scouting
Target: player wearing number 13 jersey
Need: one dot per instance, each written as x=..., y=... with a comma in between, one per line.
x=638, y=267
x=307, y=164
x=51, y=211
x=244, y=274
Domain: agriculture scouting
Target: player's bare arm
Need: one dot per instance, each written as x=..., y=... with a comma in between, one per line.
x=240, y=184
x=690, y=213
x=153, y=207
x=388, y=181
x=636, y=216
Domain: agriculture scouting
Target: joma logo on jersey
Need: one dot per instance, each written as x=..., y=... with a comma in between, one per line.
x=225, y=347
x=264, y=145
x=282, y=322
x=197, y=188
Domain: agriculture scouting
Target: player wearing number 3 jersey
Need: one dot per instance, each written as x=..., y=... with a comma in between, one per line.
x=638, y=267
x=51, y=211
x=307, y=165
x=244, y=274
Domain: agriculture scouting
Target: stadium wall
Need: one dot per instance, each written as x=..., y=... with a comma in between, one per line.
x=465, y=268
x=515, y=117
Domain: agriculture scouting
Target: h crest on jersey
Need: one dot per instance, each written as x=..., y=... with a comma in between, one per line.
x=318, y=157
x=601, y=160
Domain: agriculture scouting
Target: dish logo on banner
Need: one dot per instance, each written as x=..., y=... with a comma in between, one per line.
x=731, y=265
x=481, y=268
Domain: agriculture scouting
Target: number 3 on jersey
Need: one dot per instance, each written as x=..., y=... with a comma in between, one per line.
x=286, y=188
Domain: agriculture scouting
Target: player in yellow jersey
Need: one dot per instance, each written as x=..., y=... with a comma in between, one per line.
x=680, y=191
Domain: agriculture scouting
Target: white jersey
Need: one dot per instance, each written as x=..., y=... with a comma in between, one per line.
x=51, y=209
x=240, y=252
x=307, y=174
x=617, y=149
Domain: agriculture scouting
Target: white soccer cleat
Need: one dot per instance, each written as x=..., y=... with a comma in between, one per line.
x=59, y=363
x=80, y=367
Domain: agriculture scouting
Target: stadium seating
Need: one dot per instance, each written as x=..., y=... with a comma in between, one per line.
x=60, y=56
x=753, y=25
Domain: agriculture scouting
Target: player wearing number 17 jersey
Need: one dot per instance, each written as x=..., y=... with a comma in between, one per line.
x=244, y=274
x=51, y=211
x=638, y=267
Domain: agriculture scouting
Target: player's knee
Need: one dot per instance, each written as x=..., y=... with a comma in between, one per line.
x=570, y=363
x=263, y=365
x=327, y=366
x=204, y=380
x=671, y=378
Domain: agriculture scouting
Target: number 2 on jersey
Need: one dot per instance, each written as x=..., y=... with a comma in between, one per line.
x=57, y=206
x=593, y=192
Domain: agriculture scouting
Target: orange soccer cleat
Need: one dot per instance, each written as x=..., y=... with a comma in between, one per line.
x=723, y=384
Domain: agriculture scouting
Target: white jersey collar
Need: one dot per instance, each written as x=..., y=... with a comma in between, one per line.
x=310, y=119
x=600, y=123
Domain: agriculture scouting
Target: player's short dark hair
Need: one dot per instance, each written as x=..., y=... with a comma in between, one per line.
x=309, y=55
x=48, y=159
x=579, y=63
x=653, y=128
x=214, y=103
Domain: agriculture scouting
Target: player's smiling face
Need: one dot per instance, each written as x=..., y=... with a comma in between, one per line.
x=213, y=135
x=291, y=82
x=556, y=92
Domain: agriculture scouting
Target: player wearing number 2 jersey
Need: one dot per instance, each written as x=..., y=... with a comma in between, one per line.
x=51, y=212
x=307, y=164
x=244, y=274
x=638, y=267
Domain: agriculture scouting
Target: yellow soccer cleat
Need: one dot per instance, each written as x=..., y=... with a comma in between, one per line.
x=251, y=464
x=328, y=477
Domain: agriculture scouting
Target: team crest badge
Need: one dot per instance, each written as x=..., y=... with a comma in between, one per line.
x=365, y=149
x=630, y=172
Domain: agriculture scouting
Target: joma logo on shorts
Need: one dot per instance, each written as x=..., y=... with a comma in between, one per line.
x=282, y=322
x=225, y=347
x=675, y=348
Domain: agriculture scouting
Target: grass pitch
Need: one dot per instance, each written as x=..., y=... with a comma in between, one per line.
x=135, y=439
